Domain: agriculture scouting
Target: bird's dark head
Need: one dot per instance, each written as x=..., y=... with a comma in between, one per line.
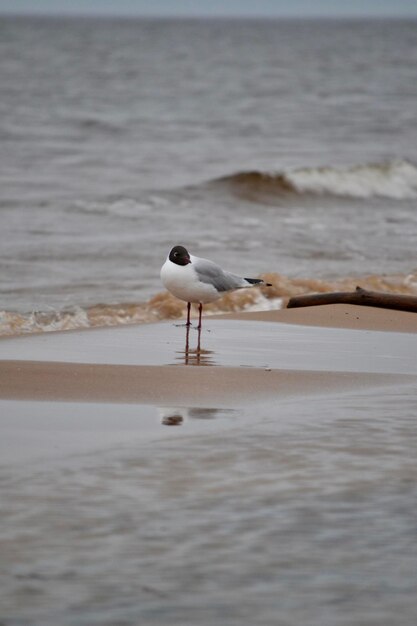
x=179, y=255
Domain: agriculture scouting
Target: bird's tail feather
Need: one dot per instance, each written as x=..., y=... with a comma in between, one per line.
x=257, y=281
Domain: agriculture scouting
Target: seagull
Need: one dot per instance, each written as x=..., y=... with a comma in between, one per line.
x=200, y=281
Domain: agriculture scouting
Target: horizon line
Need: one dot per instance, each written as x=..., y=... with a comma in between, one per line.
x=213, y=16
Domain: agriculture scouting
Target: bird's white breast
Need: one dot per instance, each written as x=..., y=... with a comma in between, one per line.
x=182, y=282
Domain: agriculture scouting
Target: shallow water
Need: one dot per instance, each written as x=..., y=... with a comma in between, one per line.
x=226, y=343
x=301, y=511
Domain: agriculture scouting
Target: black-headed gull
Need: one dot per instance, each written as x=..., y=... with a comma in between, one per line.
x=199, y=281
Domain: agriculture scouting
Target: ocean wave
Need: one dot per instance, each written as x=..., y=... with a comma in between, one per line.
x=393, y=179
x=163, y=306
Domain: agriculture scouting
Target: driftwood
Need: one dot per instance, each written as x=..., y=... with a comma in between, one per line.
x=359, y=296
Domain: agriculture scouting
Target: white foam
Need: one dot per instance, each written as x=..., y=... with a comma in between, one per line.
x=396, y=179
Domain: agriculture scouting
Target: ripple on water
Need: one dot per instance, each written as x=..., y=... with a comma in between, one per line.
x=298, y=512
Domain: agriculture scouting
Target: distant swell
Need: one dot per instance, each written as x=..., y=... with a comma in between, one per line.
x=163, y=306
x=394, y=179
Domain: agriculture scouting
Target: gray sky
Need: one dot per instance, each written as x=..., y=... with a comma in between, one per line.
x=248, y=8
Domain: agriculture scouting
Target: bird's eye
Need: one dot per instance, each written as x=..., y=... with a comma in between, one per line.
x=175, y=253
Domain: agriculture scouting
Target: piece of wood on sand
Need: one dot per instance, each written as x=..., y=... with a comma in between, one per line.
x=359, y=296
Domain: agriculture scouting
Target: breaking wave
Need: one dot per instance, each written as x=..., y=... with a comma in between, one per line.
x=163, y=306
x=393, y=179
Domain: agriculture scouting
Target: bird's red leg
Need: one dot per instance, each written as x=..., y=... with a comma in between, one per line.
x=188, y=314
x=200, y=311
x=198, y=351
x=187, y=345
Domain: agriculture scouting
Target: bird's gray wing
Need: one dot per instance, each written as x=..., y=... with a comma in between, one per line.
x=210, y=273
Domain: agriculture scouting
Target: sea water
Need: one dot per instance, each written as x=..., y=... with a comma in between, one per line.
x=282, y=147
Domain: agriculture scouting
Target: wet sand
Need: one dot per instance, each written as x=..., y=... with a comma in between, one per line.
x=246, y=361
x=243, y=358
x=246, y=356
x=338, y=316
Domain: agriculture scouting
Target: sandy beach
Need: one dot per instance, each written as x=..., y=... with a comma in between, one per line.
x=249, y=356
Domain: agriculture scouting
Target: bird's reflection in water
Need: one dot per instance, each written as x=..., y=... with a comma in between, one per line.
x=202, y=413
x=197, y=355
x=176, y=416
